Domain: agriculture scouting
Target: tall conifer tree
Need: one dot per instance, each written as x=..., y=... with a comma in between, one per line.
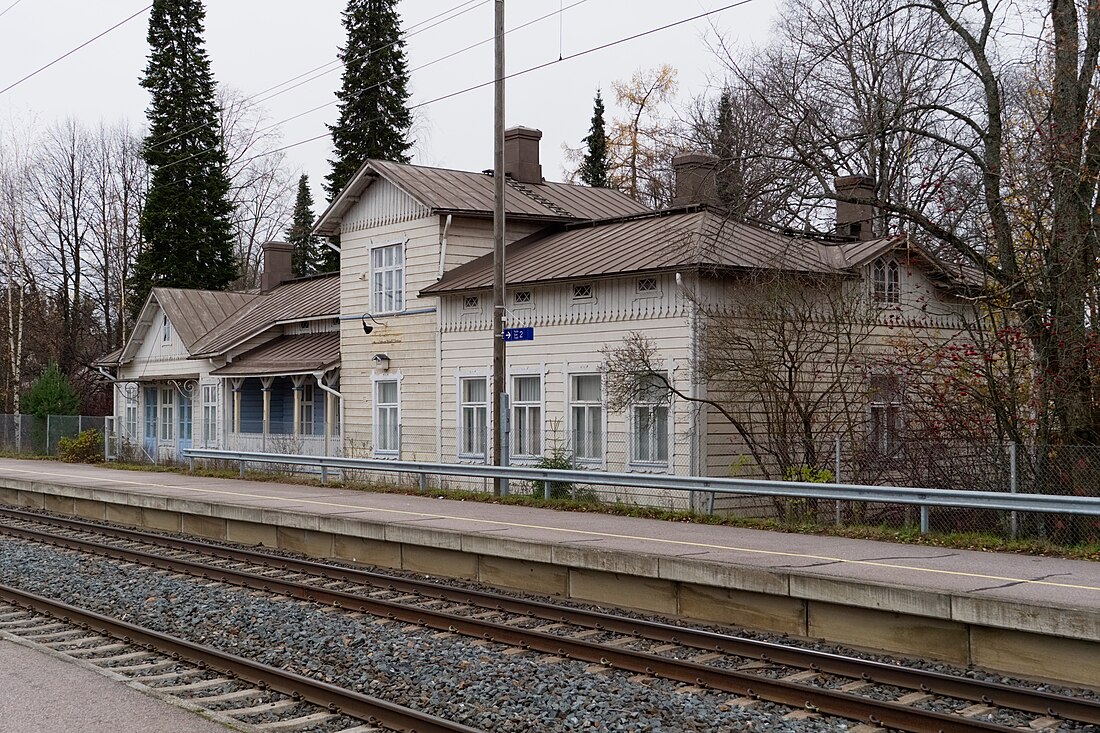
x=308, y=257
x=595, y=168
x=374, y=116
x=186, y=224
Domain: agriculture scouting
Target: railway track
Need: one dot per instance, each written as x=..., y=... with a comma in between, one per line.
x=243, y=690
x=880, y=694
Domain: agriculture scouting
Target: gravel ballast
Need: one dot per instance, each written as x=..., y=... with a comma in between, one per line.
x=480, y=684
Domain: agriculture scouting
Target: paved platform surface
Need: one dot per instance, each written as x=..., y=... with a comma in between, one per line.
x=1035, y=581
x=41, y=693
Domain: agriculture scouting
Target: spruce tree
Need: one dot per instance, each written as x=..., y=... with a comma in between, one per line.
x=186, y=225
x=595, y=168
x=308, y=257
x=374, y=117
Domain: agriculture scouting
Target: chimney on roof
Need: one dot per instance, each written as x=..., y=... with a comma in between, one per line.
x=855, y=218
x=696, y=181
x=521, y=154
x=278, y=265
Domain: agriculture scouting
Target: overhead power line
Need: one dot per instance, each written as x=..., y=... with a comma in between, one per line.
x=5, y=10
x=69, y=53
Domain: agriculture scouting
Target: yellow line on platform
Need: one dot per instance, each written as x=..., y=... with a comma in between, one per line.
x=589, y=533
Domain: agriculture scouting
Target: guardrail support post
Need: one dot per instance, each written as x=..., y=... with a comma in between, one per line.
x=242, y=468
x=836, y=475
x=923, y=519
x=423, y=482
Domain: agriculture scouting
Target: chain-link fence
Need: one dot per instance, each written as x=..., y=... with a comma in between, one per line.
x=41, y=436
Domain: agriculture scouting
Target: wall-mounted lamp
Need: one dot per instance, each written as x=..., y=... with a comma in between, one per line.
x=373, y=323
x=382, y=361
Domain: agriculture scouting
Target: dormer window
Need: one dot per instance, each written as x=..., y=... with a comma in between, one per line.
x=886, y=281
x=165, y=329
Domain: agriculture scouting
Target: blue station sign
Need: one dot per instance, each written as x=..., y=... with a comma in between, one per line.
x=519, y=334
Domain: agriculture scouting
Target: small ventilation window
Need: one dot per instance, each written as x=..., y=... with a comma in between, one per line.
x=522, y=297
x=647, y=285
x=470, y=302
x=582, y=292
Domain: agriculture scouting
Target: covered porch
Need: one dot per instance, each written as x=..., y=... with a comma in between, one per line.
x=284, y=397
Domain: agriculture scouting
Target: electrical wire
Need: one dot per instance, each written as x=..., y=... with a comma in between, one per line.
x=514, y=74
x=5, y=10
x=74, y=50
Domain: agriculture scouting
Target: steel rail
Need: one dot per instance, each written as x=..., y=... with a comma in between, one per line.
x=1034, y=701
x=334, y=698
x=992, y=500
x=827, y=701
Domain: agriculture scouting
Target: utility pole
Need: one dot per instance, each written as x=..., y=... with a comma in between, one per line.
x=499, y=372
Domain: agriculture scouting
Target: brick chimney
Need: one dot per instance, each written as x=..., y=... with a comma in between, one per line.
x=521, y=154
x=855, y=218
x=278, y=265
x=695, y=179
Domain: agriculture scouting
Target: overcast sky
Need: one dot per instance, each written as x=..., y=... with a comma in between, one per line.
x=255, y=45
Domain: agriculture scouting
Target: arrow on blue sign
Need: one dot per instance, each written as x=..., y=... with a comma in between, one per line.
x=519, y=334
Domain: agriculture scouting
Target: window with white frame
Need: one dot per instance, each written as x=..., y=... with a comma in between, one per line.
x=473, y=428
x=471, y=303
x=167, y=413
x=649, y=417
x=306, y=409
x=387, y=426
x=186, y=418
x=522, y=297
x=387, y=266
x=526, y=416
x=165, y=329
x=884, y=413
x=647, y=286
x=886, y=279
x=210, y=415
x=131, y=417
x=583, y=291
x=586, y=416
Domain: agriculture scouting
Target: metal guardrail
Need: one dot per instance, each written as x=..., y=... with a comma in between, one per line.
x=1001, y=501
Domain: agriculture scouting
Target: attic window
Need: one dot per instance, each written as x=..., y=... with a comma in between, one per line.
x=582, y=291
x=165, y=329
x=886, y=280
x=470, y=302
x=647, y=285
x=522, y=297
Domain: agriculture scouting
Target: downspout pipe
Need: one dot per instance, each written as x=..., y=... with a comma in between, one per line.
x=443, y=247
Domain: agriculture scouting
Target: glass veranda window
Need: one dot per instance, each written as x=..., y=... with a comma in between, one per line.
x=586, y=416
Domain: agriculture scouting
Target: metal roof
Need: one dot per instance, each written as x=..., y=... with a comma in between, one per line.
x=694, y=237
x=450, y=191
x=296, y=300
x=193, y=312
x=287, y=355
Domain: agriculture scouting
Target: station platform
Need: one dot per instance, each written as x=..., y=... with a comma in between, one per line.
x=1027, y=615
x=46, y=692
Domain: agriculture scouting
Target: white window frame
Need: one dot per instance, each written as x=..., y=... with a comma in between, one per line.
x=529, y=413
x=886, y=280
x=591, y=296
x=165, y=329
x=653, y=444
x=597, y=427
x=463, y=429
x=523, y=298
x=167, y=398
x=210, y=415
x=387, y=445
x=385, y=299
x=650, y=292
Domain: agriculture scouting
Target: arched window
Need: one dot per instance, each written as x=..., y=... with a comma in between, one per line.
x=886, y=278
